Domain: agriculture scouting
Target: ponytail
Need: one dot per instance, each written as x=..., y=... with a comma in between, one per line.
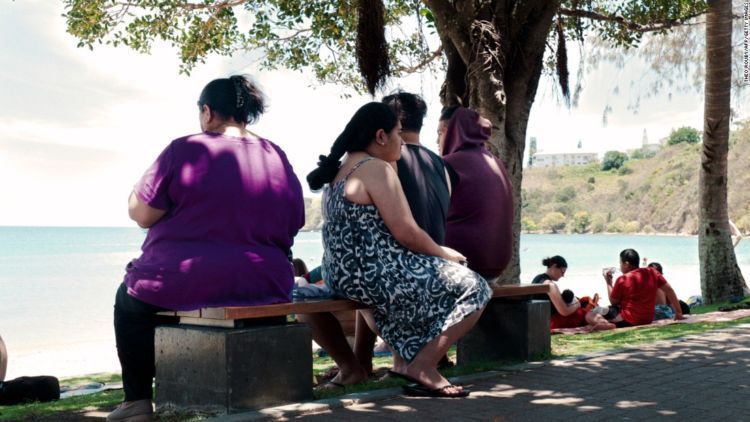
x=555, y=261
x=328, y=165
x=357, y=135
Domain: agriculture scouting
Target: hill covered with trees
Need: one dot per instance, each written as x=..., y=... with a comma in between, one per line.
x=658, y=194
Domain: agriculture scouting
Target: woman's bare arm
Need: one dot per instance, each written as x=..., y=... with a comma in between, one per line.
x=3, y=360
x=381, y=183
x=672, y=298
x=555, y=297
x=143, y=214
x=735, y=234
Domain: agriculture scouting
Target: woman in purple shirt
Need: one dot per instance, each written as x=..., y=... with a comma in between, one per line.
x=222, y=208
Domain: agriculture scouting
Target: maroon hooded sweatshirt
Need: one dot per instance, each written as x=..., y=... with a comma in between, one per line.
x=480, y=217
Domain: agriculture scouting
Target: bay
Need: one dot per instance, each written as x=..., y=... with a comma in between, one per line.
x=57, y=284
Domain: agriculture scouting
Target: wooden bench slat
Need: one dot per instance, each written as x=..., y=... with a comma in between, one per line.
x=325, y=305
x=519, y=290
x=263, y=311
x=191, y=314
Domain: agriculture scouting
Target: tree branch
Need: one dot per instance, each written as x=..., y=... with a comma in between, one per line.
x=424, y=63
x=630, y=25
x=447, y=20
x=294, y=35
x=219, y=6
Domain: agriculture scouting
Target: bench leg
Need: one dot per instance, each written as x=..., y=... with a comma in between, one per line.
x=233, y=369
x=508, y=330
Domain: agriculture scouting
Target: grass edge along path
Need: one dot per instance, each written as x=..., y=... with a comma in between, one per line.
x=563, y=346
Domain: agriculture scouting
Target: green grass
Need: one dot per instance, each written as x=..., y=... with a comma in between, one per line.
x=580, y=344
x=106, y=378
x=715, y=307
x=562, y=346
x=103, y=400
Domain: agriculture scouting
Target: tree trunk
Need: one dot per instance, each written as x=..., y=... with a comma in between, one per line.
x=495, y=54
x=720, y=275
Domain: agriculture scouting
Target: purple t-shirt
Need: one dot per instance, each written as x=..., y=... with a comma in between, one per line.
x=233, y=207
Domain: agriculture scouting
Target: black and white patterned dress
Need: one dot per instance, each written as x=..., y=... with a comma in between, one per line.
x=414, y=297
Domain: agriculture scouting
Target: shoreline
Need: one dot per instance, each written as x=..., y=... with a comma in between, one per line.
x=317, y=230
x=666, y=234
x=64, y=361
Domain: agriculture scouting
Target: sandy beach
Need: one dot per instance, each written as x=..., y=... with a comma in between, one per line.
x=64, y=362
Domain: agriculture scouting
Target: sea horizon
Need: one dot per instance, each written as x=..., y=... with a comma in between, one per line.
x=58, y=284
x=537, y=232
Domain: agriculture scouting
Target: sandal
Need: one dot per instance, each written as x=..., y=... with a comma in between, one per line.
x=330, y=385
x=419, y=390
x=330, y=373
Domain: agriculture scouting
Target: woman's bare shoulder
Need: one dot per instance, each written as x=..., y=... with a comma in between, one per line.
x=371, y=170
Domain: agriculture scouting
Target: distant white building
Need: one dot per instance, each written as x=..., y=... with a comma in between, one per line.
x=563, y=159
x=647, y=148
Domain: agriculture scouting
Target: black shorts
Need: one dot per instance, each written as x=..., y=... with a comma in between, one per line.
x=613, y=313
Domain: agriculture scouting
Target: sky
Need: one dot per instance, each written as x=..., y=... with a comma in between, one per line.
x=79, y=127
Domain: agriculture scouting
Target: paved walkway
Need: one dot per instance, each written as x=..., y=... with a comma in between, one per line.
x=698, y=378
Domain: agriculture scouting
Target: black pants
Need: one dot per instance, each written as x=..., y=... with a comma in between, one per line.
x=135, y=325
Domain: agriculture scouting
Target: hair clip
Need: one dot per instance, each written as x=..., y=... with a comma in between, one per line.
x=238, y=92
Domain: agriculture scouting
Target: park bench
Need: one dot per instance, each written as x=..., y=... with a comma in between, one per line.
x=240, y=358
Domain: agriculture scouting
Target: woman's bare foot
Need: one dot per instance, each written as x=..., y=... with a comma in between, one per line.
x=343, y=378
x=430, y=378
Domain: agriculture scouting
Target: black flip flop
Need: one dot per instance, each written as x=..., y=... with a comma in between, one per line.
x=330, y=385
x=419, y=390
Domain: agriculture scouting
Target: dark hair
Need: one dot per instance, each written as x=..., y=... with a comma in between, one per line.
x=631, y=257
x=685, y=308
x=300, y=268
x=657, y=267
x=555, y=261
x=410, y=109
x=568, y=296
x=448, y=112
x=237, y=96
x=357, y=135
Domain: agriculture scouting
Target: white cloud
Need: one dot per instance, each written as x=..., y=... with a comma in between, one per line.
x=78, y=127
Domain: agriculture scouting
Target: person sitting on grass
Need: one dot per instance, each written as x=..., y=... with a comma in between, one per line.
x=565, y=309
x=25, y=389
x=663, y=310
x=3, y=360
x=300, y=268
x=633, y=297
x=422, y=299
x=308, y=284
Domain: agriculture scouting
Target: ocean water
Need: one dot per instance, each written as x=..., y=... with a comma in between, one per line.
x=57, y=285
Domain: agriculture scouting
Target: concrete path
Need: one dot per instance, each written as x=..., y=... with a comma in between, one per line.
x=698, y=378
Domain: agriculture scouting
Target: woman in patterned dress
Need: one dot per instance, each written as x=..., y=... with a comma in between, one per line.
x=422, y=299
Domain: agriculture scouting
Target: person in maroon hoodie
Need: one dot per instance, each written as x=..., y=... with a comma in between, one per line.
x=480, y=216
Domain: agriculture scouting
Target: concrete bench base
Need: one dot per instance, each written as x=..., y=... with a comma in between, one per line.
x=233, y=369
x=508, y=330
